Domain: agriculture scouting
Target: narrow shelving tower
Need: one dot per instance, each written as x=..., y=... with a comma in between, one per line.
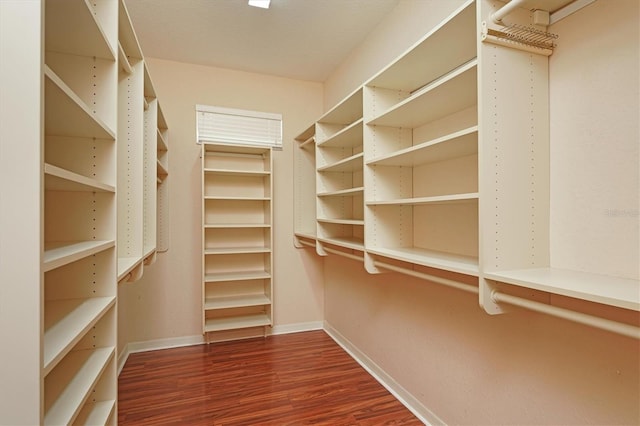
x=237, y=241
x=79, y=215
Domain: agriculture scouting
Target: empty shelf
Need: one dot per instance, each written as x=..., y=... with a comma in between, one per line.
x=349, y=192
x=349, y=137
x=236, y=276
x=342, y=221
x=228, y=302
x=231, y=172
x=67, y=115
x=96, y=413
x=234, y=323
x=85, y=368
x=346, y=242
x=435, y=259
x=620, y=292
x=126, y=265
x=58, y=254
x=66, y=322
x=236, y=225
x=59, y=179
x=350, y=164
x=236, y=250
x=441, y=199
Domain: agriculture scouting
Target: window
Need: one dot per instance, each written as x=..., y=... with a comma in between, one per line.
x=236, y=126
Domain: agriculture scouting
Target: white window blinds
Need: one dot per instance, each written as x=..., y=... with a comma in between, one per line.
x=235, y=126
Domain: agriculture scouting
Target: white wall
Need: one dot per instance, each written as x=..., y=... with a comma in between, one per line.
x=166, y=302
x=468, y=367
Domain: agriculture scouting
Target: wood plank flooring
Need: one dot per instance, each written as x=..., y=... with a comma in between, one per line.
x=293, y=379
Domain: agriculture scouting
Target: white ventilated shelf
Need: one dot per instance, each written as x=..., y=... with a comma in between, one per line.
x=453, y=92
x=236, y=276
x=454, y=145
x=236, y=172
x=349, y=164
x=83, y=369
x=341, y=221
x=452, y=42
x=441, y=199
x=67, y=114
x=82, y=36
x=613, y=291
x=59, y=179
x=349, y=192
x=96, y=413
x=66, y=322
x=228, y=302
x=57, y=254
x=346, y=242
x=126, y=265
x=226, y=225
x=349, y=137
x=435, y=259
x=237, y=322
x=236, y=250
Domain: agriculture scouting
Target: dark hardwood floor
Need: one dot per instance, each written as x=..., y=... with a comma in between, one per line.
x=292, y=379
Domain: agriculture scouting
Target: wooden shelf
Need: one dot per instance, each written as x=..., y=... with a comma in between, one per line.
x=240, y=301
x=59, y=179
x=67, y=115
x=236, y=276
x=346, y=111
x=126, y=265
x=236, y=225
x=306, y=235
x=349, y=192
x=81, y=36
x=307, y=135
x=454, y=145
x=435, y=259
x=161, y=170
x=58, y=254
x=349, y=137
x=613, y=291
x=66, y=322
x=349, y=164
x=230, y=172
x=442, y=199
x=346, y=242
x=342, y=221
x=162, y=143
x=212, y=197
x=236, y=322
x=308, y=144
x=126, y=35
x=236, y=250
x=84, y=369
x=96, y=413
x=452, y=42
x=123, y=60
x=454, y=92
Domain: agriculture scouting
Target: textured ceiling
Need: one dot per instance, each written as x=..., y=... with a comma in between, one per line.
x=301, y=39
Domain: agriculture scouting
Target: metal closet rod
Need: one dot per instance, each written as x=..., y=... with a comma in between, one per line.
x=439, y=280
x=505, y=10
x=579, y=317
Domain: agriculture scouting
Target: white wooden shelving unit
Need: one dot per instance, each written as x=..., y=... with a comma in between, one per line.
x=79, y=71
x=304, y=188
x=142, y=159
x=454, y=168
x=79, y=172
x=339, y=178
x=237, y=240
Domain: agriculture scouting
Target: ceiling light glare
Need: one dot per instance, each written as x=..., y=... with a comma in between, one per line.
x=264, y=4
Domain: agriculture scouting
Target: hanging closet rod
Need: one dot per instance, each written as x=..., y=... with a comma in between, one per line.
x=439, y=280
x=347, y=255
x=586, y=319
x=505, y=10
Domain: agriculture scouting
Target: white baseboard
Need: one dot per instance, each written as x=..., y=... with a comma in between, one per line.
x=176, y=342
x=416, y=407
x=297, y=328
